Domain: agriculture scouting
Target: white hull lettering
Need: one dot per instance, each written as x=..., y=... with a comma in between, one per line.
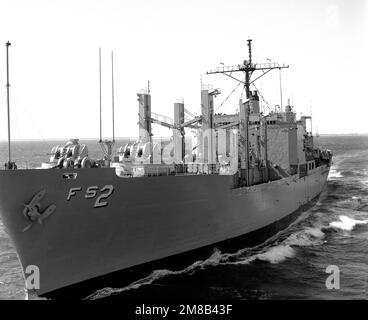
x=72, y=192
x=110, y=189
x=91, y=193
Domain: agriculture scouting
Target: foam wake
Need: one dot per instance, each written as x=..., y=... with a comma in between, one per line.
x=273, y=254
x=276, y=254
x=280, y=251
x=306, y=237
x=273, y=251
x=346, y=223
x=214, y=259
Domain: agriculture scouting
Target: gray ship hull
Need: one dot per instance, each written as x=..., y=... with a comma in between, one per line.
x=145, y=219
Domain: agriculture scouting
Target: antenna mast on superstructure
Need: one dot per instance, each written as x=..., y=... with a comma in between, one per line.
x=280, y=90
x=311, y=118
x=248, y=67
x=248, y=74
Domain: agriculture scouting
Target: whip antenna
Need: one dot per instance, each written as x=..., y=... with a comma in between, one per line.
x=7, y=95
x=113, y=99
x=99, y=60
x=9, y=165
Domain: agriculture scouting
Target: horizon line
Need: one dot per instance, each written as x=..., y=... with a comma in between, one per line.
x=124, y=138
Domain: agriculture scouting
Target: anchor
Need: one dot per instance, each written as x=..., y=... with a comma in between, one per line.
x=32, y=210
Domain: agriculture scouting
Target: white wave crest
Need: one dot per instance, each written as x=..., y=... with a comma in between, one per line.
x=334, y=174
x=306, y=237
x=346, y=223
x=275, y=254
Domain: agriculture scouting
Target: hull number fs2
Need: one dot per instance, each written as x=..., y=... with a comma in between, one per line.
x=91, y=192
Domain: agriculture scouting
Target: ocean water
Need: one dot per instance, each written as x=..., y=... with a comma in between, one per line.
x=290, y=265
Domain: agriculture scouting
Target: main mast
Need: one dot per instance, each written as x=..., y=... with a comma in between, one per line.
x=248, y=74
x=248, y=67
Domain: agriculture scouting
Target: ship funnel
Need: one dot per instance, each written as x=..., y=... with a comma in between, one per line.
x=254, y=102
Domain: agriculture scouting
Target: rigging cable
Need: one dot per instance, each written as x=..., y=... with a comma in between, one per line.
x=264, y=100
x=189, y=113
x=16, y=118
x=2, y=101
x=228, y=97
x=241, y=98
x=28, y=115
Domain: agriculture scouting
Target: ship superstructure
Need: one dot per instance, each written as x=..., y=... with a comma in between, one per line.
x=255, y=147
x=244, y=173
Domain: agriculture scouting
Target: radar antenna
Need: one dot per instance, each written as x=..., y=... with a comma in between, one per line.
x=248, y=67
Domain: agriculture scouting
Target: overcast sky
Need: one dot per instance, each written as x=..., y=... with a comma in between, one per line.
x=54, y=60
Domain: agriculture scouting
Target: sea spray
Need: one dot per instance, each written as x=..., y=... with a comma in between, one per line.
x=346, y=223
